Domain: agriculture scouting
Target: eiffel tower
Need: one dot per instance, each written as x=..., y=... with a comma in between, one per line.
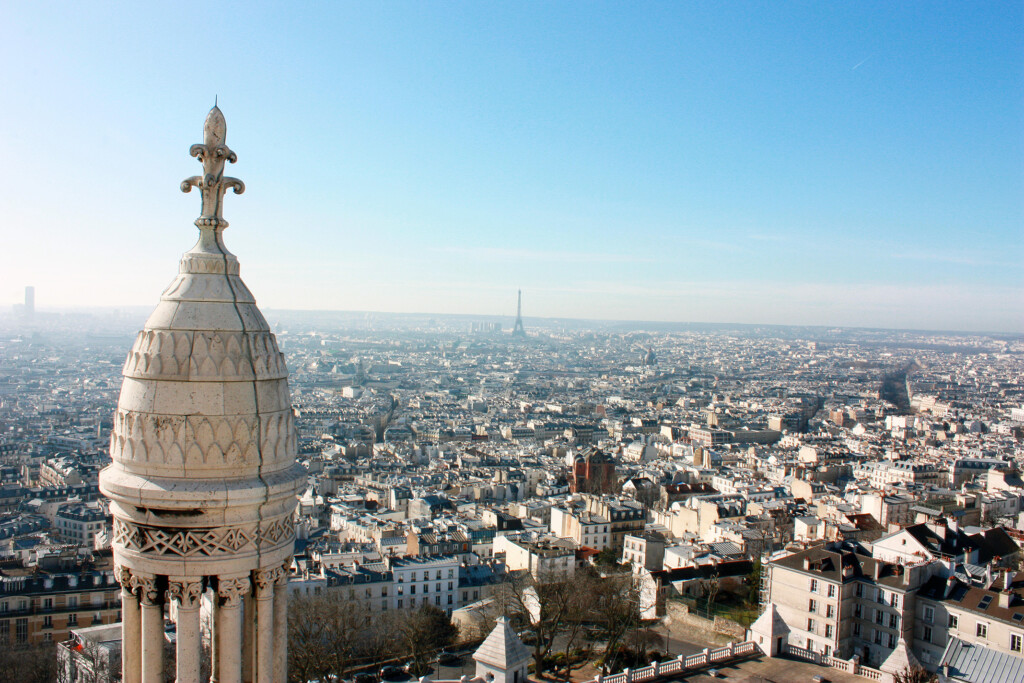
x=517, y=329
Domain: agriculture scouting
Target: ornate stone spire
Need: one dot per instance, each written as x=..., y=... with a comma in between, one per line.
x=203, y=478
x=212, y=154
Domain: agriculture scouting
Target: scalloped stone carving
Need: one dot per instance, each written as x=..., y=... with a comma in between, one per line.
x=202, y=440
x=205, y=356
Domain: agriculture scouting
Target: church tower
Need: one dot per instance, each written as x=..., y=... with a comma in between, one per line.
x=203, y=481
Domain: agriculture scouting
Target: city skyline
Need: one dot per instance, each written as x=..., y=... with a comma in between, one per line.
x=856, y=167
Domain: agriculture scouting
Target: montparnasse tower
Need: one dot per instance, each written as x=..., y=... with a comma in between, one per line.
x=203, y=481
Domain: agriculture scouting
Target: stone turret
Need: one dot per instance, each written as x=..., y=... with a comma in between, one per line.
x=502, y=657
x=203, y=481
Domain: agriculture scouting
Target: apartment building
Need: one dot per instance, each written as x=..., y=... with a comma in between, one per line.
x=547, y=561
x=842, y=603
x=584, y=528
x=40, y=608
x=989, y=616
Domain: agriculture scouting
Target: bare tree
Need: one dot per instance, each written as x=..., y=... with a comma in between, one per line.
x=28, y=663
x=915, y=674
x=323, y=632
x=615, y=606
x=424, y=632
x=547, y=606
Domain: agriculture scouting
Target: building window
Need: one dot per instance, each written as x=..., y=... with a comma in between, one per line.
x=812, y=606
x=982, y=630
x=814, y=585
x=879, y=617
x=859, y=591
x=954, y=621
x=892, y=641
x=21, y=630
x=828, y=630
x=928, y=634
x=810, y=625
x=72, y=619
x=830, y=611
x=831, y=590
x=878, y=637
x=857, y=610
x=47, y=621
x=856, y=628
x=894, y=621
x=929, y=614
x=399, y=604
x=1015, y=642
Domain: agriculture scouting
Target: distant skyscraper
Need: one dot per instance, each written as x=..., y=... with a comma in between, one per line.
x=30, y=300
x=517, y=329
x=203, y=482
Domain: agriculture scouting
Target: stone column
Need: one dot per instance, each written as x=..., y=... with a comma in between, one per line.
x=230, y=590
x=263, y=581
x=131, y=628
x=248, y=638
x=281, y=626
x=152, y=630
x=186, y=593
x=214, y=635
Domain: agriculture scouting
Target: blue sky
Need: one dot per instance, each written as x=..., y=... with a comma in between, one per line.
x=804, y=163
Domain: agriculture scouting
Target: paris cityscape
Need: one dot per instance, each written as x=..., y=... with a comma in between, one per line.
x=576, y=343
x=712, y=471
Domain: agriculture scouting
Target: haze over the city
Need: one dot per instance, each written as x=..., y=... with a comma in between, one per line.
x=816, y=164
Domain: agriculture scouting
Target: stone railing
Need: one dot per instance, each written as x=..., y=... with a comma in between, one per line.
x=851, y=666
x=683, y=664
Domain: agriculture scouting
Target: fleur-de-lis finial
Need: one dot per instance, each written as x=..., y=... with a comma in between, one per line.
x=212, y=154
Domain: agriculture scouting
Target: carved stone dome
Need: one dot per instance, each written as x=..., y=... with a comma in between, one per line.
x=203, y=445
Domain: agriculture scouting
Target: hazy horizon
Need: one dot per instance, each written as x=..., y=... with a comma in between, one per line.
x=777, y=164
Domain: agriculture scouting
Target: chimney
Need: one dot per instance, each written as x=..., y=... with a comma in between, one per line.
x=878, y=570
x=1005, y=597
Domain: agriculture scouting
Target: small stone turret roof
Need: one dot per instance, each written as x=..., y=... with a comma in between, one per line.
x=502, y=649
x=900, y=659
x=770, y=623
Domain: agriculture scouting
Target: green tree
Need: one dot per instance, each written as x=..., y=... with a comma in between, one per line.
x=754, y=584
x=607, y=557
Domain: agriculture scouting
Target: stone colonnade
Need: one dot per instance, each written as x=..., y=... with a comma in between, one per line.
x=249, y=642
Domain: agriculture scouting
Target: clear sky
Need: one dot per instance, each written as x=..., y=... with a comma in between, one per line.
x=771, y=162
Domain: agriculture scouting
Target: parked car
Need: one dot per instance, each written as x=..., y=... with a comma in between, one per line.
x=528, y=637
x=449, y=657
x=418, y=669
x=393, y=673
